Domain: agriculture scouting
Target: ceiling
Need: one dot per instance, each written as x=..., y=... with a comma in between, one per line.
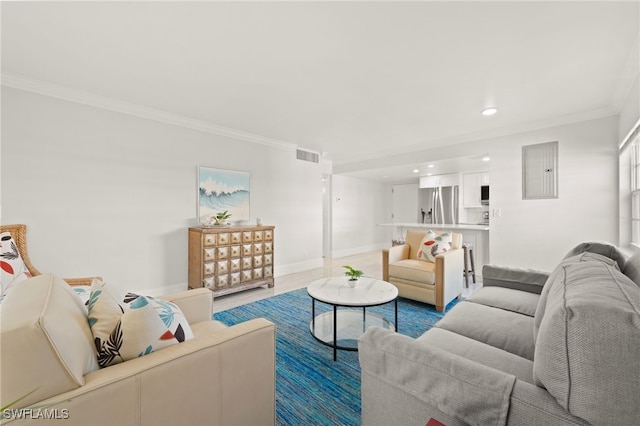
x=359, y=82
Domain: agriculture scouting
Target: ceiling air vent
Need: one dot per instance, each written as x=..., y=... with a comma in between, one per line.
x=303, y=155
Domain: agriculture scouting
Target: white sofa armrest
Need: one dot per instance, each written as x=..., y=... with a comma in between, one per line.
x=405, y=381
x=196, y=304
x=222, y=376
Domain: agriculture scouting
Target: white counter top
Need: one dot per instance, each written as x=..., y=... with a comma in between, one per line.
x=469, y=227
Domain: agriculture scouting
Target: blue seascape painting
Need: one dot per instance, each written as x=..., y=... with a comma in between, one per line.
x=223, y=190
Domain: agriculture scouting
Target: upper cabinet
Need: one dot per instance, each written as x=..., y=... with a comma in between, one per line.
x=451, y=179
x=471, y=192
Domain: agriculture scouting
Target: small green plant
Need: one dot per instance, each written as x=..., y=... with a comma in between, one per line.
x=352, y=273
x=222, y=216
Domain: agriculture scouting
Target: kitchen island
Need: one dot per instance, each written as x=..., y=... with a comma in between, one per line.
x=478, y=235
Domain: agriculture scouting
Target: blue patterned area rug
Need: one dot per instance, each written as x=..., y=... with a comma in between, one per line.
x=312, y=389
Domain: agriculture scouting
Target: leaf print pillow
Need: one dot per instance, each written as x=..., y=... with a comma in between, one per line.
x=12, y=268
x=138, y=327
x=433, y=244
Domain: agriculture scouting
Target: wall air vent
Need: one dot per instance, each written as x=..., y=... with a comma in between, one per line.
x=310, y=156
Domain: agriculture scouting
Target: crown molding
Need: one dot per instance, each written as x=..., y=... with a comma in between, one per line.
x=91, y=99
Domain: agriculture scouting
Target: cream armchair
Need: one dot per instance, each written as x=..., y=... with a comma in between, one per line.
x=434, y=283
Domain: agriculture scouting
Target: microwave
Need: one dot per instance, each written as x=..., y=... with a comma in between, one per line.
x=484, y=194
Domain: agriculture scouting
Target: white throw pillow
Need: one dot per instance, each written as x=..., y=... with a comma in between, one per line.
x=45, y=340
x=433, y=244
x=138, y=327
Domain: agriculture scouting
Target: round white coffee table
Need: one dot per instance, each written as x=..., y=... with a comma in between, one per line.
x=341, y=328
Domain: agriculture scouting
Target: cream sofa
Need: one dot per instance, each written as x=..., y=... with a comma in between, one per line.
x=529, y=348
x=434, y=283
x=223, y=376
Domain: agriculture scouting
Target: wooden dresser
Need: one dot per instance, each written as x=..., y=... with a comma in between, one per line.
x=230, y=259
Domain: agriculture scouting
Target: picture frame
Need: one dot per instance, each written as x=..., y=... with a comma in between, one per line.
x=221, y=190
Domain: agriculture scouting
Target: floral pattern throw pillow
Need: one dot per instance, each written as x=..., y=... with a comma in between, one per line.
x=13, y=269
x=135, y=328
x=433, y=244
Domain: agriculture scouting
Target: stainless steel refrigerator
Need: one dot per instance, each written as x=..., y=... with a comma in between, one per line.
x=438, y=205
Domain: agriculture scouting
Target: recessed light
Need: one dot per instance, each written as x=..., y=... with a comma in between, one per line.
x=415, y=170
x=489, y=111
x=429, y=174
x=486, y=158
x=430, y=166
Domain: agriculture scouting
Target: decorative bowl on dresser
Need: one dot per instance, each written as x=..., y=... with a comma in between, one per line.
x=228, y=259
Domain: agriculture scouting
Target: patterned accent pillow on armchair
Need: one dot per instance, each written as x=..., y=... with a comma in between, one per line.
x=434, y=244
x=13, y=269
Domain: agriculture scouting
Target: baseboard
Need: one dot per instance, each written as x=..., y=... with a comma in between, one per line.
x=292, y=268
x=161, y=291
x=358, y=250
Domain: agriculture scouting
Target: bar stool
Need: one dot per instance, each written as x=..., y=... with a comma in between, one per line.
x=468, y=258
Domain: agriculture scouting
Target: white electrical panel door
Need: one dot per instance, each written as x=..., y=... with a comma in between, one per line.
x=540, y=171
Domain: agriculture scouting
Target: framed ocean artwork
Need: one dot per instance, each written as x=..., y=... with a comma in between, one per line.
x=223, y=191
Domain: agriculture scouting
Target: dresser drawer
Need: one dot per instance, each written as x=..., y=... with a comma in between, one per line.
x=246, y=276
x=209, y=253
x=222, y=267
x=223, y=238
x=246, y=263
x=235, y=251
x=268, y=271
x=208, y=268
x=234, y=265
x=258, y=248
x=222, y=252
x=222, y=281
x=207, y=282
x=209, y=239
x=257, y=274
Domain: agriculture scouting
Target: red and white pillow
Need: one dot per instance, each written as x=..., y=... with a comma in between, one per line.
x=433, y=244
x=13, y=269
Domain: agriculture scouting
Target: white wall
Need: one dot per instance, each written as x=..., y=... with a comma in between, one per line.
x=110, y=194
x=358, y=206
x=630, y=113
x=538, y=233
x=629, y=116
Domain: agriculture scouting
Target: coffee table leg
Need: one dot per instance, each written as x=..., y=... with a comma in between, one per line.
x=335, y=333
x=313, y=316
x=396, y=302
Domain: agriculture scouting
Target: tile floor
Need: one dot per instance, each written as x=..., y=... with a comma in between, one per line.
x=370, y=263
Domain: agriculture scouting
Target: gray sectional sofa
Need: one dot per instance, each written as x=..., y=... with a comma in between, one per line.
x=528, y=348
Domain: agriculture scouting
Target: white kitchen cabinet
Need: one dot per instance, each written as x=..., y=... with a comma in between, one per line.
x=452, y=179
x=471, y=183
